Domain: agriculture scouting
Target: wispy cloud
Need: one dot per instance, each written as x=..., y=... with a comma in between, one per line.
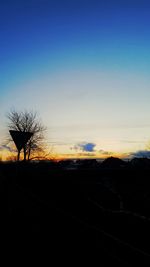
x=86, y=154
x=103, y=152
x=132, y=141
x=5, y=147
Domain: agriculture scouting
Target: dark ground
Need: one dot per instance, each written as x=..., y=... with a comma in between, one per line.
x=78, y=212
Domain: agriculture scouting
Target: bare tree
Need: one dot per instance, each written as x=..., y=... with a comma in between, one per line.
x=28, y=121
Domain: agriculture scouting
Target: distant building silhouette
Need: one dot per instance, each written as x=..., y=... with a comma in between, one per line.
x=113, y=163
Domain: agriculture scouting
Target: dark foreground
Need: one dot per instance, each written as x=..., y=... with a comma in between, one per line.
x=78, y=212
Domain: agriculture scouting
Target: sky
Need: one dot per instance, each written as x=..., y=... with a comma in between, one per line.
x=84, y=67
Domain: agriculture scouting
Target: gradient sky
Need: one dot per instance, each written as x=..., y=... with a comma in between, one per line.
x=84, y=66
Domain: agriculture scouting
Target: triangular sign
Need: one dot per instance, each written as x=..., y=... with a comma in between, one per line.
x=20, y=138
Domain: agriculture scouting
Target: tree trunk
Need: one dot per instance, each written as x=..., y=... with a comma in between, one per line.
x=25, y=152
x=29, y=152
x=18, y=156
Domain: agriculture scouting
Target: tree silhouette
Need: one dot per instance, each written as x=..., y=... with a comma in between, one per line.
x=28, y=121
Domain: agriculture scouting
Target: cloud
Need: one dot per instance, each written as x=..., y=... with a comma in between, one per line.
x=8, y=148
x=103, y=152
x=141, y=154
x=86, y=154
x=85, y=147
x=131, y=141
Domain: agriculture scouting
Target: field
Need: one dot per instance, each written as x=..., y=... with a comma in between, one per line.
x=78, y=210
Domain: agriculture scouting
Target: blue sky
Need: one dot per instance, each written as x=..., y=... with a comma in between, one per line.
x=83, y=65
